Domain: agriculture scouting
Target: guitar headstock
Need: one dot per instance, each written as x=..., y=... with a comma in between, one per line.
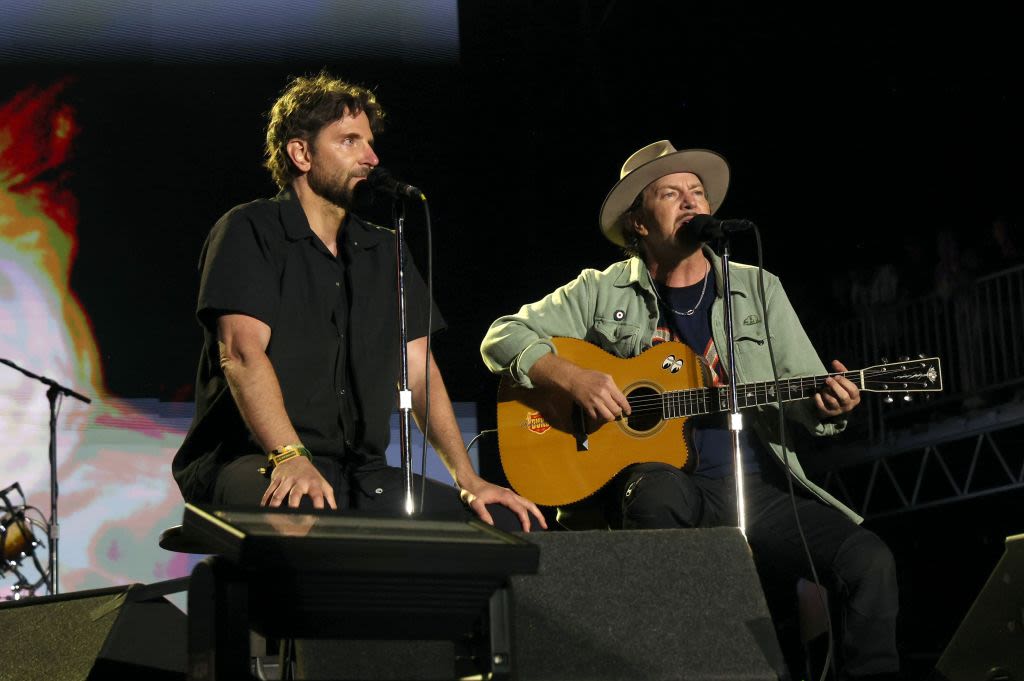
x=922, y=374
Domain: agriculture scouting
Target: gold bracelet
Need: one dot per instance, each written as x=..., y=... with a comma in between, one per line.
x=283, y=453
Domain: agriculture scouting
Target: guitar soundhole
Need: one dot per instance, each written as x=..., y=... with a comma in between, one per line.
x=646, y=405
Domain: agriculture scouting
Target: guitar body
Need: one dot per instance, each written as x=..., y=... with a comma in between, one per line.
x=552, y=456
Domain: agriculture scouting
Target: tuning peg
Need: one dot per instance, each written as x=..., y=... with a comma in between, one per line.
x=908, y=398
x=920, y=355
x=904, y=358
x=887, y=399
x=885, y=360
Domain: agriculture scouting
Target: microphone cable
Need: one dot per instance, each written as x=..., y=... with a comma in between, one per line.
x=829, y=657
x=426, y=363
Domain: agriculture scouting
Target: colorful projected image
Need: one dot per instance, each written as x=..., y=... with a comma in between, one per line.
x=113, y=456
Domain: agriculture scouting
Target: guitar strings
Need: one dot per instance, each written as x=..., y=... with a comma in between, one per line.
x=695, y=401
x=766, y=388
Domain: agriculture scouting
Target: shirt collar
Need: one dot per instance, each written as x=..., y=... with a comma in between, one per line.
x=296, y=226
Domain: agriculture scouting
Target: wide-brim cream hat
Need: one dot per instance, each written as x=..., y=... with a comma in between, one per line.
x=655, y=161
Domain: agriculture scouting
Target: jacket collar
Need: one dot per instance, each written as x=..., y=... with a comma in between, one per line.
x=635, y=273
x=739, y=285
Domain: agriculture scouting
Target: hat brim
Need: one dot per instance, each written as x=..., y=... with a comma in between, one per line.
x=709, y=166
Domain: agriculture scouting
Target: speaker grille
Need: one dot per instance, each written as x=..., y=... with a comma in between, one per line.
x=645, y=604
x=102, y=633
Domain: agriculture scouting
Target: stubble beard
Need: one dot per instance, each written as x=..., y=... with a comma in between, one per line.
x=333, y=189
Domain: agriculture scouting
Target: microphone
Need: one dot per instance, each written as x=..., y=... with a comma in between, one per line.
x=707, y=227
x=383, y=183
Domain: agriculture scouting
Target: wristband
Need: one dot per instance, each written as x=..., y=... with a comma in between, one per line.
x=283, y=453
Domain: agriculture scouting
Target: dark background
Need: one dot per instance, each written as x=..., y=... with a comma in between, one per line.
x=845, y=134
x=848, y=133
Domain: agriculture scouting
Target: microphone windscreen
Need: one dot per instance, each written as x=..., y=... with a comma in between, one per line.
x=704, y=227
x=380, y=178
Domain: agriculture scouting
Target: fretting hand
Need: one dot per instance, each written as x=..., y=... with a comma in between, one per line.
x=838, y=396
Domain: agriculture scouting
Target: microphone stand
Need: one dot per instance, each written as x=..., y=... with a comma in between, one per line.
x=404, y=394
x=735, y=418
x=53, y=527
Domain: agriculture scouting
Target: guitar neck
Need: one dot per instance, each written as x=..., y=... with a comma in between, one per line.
x=696, y=401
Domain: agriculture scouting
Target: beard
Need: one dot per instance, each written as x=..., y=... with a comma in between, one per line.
x=337, y=190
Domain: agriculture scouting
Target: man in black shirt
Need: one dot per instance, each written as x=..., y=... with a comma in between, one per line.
x=298, y=305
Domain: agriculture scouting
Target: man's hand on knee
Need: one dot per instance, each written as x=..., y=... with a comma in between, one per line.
x=294, y=479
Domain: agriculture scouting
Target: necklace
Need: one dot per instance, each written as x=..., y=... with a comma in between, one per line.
x=688, y=313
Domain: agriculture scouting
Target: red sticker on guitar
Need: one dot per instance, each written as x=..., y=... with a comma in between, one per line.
x=536, y=423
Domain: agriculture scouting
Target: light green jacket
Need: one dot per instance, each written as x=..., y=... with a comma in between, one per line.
x=617, y=310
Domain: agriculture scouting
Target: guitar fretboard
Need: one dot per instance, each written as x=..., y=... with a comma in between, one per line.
x=696, y=401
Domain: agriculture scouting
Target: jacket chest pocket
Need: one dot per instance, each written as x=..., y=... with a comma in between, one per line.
x=751, y=340
x=748, y=330
x=619, y=338
x=753, y=361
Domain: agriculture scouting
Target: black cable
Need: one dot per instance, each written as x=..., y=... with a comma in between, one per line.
x=287, y=659
x=426, y=364
x=829, y=659
x=479, y=435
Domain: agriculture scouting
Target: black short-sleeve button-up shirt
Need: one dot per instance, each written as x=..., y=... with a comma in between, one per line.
x=334, y=338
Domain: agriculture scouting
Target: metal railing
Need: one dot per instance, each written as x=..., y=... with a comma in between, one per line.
x=978, y=333
x=950, y=468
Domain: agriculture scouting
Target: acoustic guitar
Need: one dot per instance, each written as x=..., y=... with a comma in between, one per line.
x=552, y=455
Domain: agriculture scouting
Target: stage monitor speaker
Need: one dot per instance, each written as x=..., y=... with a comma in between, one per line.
x=115, y=633
x=642, y=604
x=989, y=644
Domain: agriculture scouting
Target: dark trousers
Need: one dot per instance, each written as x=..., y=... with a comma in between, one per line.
x=853, y=563
x=374, y=490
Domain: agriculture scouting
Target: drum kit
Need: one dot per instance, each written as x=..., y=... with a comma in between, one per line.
x=20, y=546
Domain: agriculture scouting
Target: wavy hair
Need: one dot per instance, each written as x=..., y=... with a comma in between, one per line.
x=306, y=105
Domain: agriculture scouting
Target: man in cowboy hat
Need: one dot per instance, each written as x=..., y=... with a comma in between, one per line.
x=671, y=289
